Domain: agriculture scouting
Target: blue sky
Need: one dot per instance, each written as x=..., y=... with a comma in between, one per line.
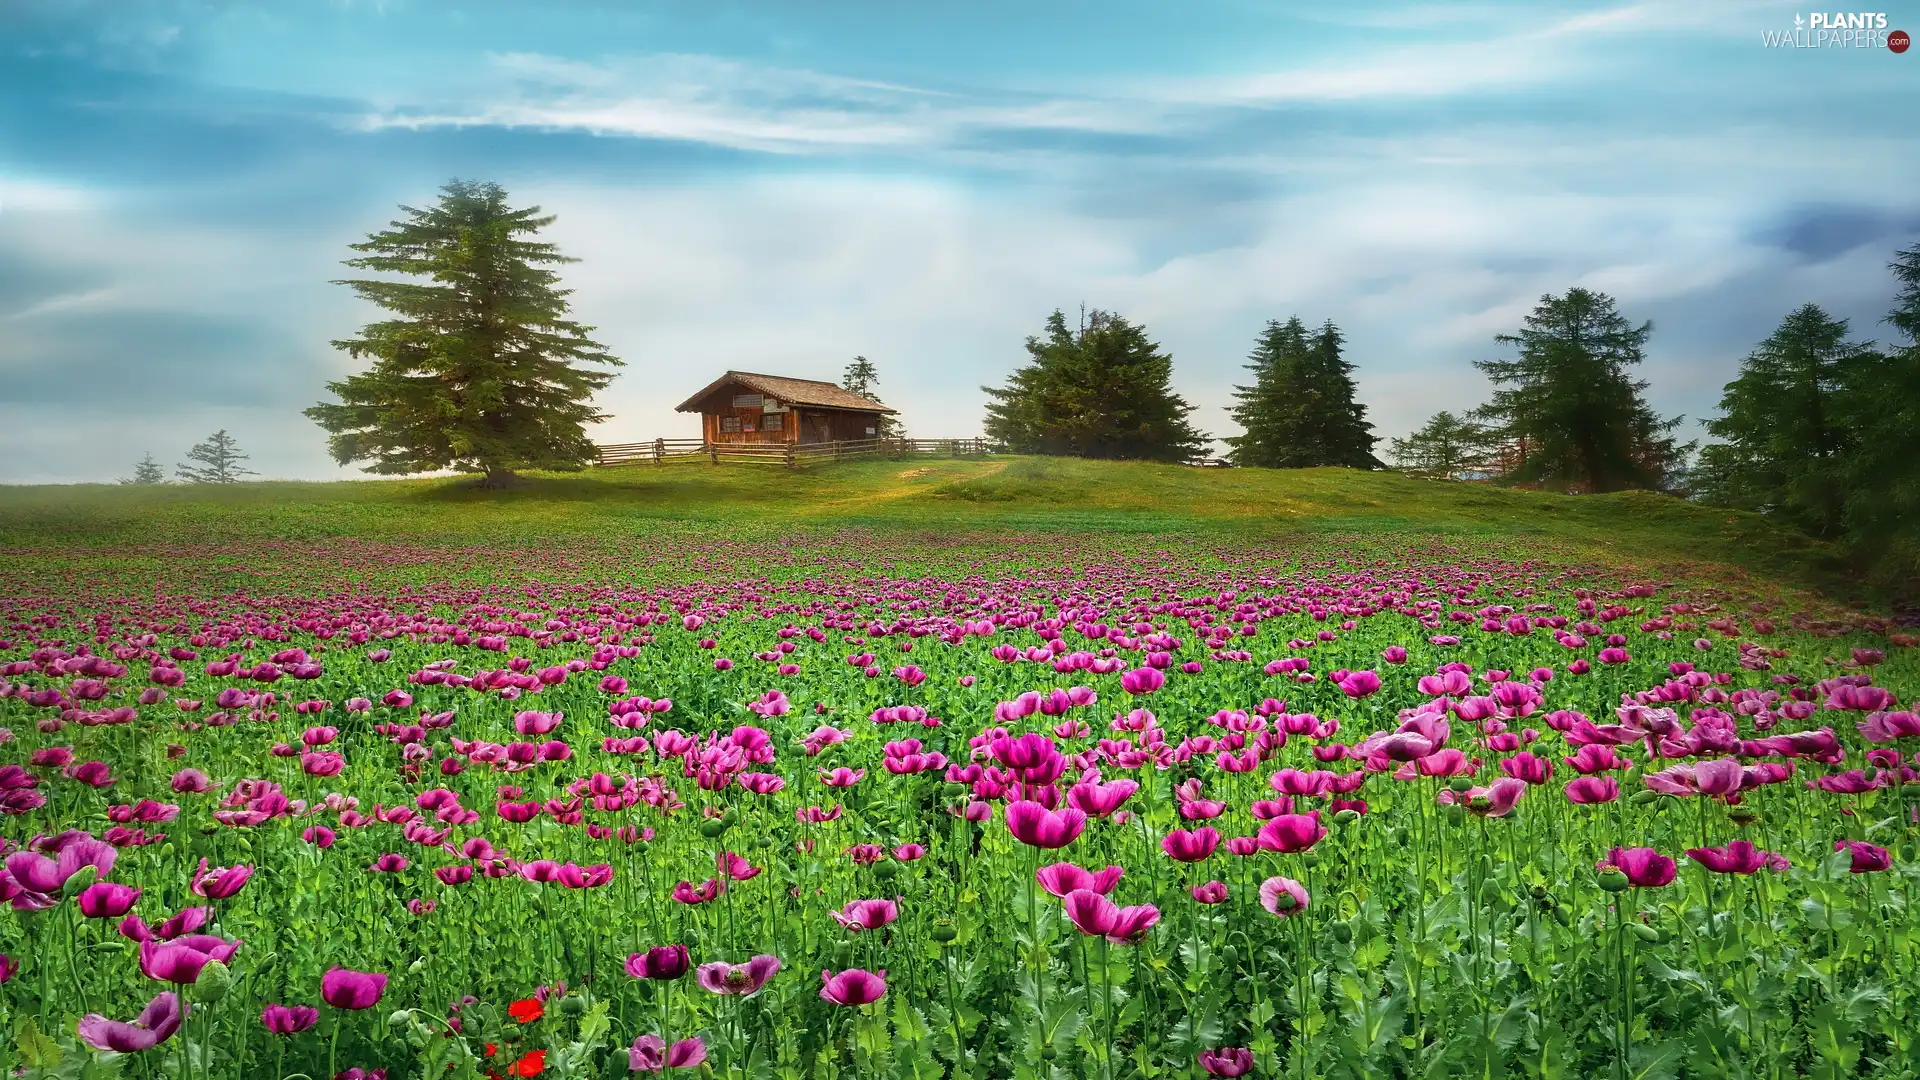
x=778, y=186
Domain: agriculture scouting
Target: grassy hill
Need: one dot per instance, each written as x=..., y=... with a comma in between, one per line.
x=978, y=497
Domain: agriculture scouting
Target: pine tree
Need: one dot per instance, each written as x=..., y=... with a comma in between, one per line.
x=1881, y=405
x=1271, y=410
x=1571, y=404
x=1785, y=444
x=861, y=378
x=219, y=459
x=147, y=471
x=1445, y=446
x=1336, y=427
x=480, y=370
x=1300, y=411
x=1102, y=391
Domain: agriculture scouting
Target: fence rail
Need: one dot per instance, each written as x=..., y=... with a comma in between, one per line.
x=693, y=451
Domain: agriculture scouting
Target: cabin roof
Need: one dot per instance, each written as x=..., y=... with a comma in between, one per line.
x=789, y=391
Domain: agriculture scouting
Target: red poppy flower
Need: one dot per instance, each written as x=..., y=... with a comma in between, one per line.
x=531, y=1063
x=527, y=1010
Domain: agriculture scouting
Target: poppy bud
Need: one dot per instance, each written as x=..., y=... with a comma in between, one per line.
x=1342, y=933
x=1642, y=797
x=573, y=1005
x=713, y=827
x=943, y=931
x=1613, y=881
x=1460, y=785
x=214, y=982
x=955, y=791
x=398, y=1018
x=1400, y=835
x=1743, y=815
x=1346, y=817
x=885, y=871
x=78, y=883
x=1489, y=893
x=1560, y=916
x=1310, y=859
x=1049, y=1054
x=419, y=965
x=1456, y=814
x=1644, y=932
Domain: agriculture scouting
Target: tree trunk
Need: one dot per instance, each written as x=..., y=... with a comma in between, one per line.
x=497, y=478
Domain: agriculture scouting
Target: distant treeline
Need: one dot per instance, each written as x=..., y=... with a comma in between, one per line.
x=1819, y=430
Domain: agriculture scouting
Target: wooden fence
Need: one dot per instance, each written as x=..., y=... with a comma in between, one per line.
x=687, y=451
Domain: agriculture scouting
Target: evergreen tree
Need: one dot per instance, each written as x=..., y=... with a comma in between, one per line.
x=1786, y=445
x=480, y=369
x=861, y=378
x=1881, y=404
x=1300, y=411
x=1445, y=446
x=147, y=471
x=1571, y=405
x=219, y=459
x=1271, y=409
x=1336, y=426
x=1102, y=391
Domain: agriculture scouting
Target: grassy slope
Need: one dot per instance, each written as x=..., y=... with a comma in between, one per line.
x=1009, y=494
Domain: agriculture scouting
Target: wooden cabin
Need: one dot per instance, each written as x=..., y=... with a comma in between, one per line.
x=742, y=407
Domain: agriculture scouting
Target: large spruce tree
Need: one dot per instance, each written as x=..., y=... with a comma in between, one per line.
x=1270, y=410
x=480, y=370
x=1300, y=411
x=1881, y=405
x=1569, y=400
x=1101, y=391
x=1786, y=443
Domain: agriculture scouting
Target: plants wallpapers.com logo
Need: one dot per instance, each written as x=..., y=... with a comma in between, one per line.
x=1839, y=30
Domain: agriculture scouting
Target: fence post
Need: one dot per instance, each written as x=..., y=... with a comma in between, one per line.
x=789, y=455
x=713, y=451
x=659, y=450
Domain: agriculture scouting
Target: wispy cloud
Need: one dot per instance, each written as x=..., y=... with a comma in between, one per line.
x=785, y=110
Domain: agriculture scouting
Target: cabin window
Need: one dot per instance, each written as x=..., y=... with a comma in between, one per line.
x=746, y=401
x=871, y=431
x=729, y=425
x=770, y=421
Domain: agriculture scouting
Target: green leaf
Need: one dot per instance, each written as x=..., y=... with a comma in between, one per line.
x=1654, y=1061
x=37, y=1051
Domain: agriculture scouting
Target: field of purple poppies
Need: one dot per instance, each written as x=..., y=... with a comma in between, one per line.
x=1334, y=810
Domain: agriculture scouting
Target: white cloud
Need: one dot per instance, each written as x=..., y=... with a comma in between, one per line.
x=29, y=195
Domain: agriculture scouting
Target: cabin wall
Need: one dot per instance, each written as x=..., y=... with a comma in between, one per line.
x=835, y=425
x=749, y=425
